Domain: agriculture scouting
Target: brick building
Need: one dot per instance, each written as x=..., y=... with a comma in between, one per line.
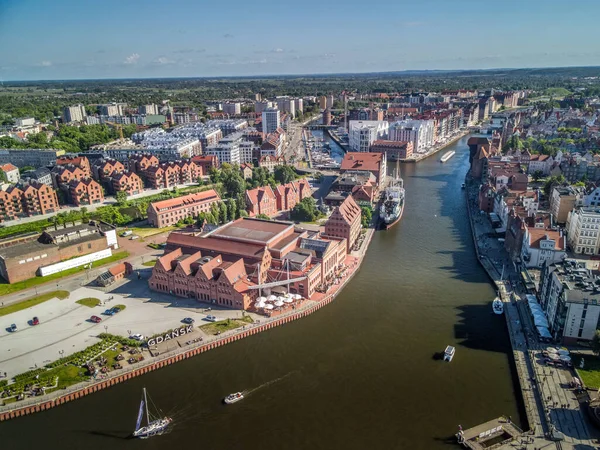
x=344, y=222
x=78, y=161
x=375, y=163
x=166, y=175
x=140, y=162
x=261, y=200
x=169, y=212
x=128, y=182
x=86, y=191
x=27, y=199
x=393, y=150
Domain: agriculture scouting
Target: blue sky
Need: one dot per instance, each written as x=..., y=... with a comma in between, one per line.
x=65, y=39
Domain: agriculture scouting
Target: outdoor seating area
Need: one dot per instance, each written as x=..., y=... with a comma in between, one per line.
x=277, y=303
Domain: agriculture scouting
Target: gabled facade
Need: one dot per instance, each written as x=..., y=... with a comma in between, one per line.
x=261, y=201
x=345, y=222
x=85, y=192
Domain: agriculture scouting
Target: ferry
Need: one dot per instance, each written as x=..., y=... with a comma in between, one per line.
x=233, y=398
x=498, y=306
x=447, y=156
x=449, y=353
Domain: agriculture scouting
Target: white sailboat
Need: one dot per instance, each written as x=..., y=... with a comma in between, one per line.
x=154, y=425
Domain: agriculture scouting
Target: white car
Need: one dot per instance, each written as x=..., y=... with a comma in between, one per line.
x=137, y=337
x=211, y=318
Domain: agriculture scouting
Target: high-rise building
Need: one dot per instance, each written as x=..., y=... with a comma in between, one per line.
x=330, y=101
x=323, y=102
x=363, y=133
x=148, y=109
x=299, y=105
x=111, y=109
x=419, y=132
x=271, y=120
x=286, y=104
x=232, y=108
x=260, y=106
x=74, y=113
x=257, y=97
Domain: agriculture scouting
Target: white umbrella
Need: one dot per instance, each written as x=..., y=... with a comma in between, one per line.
x=262, y=299
x=297, y=296
x=565, y=358
x=279, y=303
x=551, y=350
x=553, y=356
x=269, y=306
x=272, y=298
x=281, y=298
x=289, y=300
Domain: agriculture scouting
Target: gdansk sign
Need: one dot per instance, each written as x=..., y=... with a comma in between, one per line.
x=173, y=334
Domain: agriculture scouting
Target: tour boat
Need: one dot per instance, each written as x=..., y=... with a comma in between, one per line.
x=392, y=204
x=449, y=353
x=498, y=306
x=233, y=398
x=155, y=425
x=447, y=156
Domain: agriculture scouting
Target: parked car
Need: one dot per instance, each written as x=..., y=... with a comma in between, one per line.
x=137, y=337
x=108, y=312
x=126, y=233
x=134, y=237
x=211, y=318
x=95, y=319
x=188, y=320
x=12, y=327
x=35, y=321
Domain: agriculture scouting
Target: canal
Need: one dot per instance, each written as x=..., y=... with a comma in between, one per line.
x=360, y=373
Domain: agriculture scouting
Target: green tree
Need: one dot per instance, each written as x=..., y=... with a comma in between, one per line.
x=595, y=343
x=232, y=209
x=85, y=215
x=366, y=215
x=263, y=216
x=537, y=175
x=284, y=174
x=306, y=210
x=552, y=182
x=121, y=197
x=223, y=216
x=243, y=213
x=215, y=212
x=3, y=177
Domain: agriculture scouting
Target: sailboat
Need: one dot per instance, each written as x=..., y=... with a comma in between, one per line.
x=154, y=425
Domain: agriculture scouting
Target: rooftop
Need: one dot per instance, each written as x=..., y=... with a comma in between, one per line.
x=249, y=230
x=361, y=161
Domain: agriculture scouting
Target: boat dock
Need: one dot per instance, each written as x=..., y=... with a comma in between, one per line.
x=490, y=434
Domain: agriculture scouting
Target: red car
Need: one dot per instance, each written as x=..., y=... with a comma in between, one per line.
x=35, y=321
x=95, y=319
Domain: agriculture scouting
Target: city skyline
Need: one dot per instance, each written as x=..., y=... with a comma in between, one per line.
x=147, y=40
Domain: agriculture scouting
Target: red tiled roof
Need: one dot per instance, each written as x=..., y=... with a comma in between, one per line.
x=539, y=234
x=118, y=269
x=361, y=161
x=198, y=197
x=8, y=167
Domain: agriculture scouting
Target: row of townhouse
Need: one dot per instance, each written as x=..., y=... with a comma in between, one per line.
x=270, y=202
x=27, y=199
x=166, y=175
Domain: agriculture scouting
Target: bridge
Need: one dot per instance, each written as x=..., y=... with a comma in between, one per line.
x=321, y=127
x=276, y=283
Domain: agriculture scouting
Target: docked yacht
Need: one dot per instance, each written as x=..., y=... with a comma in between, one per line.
x=233, y=398
x=449, y=353
x=498, y=306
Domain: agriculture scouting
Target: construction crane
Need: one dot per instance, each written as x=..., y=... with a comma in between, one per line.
x=118, y=127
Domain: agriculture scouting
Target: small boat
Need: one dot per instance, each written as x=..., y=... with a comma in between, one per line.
x=497, y=306
x=447, y=156
x=449, y=353
x=155, y=425
x=462, y=186
x=233, y=398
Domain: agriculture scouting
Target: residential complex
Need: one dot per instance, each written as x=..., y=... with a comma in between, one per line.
x=362, y=133
x=419, y=132
x=74, y=113
x=169, y=212
x=30, y=198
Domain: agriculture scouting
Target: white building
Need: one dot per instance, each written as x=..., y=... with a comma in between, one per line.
x=74, y=113
x=25, y=122
x=148, y=109
x=570, y=299
x=540, y=163
x=419, y=132
x=227, y=153
x=542, y=245
x=362, y=133
x=111, y=109
x=592, y=199
x=299, y=103
x=582, y=231
x=11, y=172
x=271, y=120
x=233, y=108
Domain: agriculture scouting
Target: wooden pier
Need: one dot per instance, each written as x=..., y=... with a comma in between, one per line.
x=492, y=434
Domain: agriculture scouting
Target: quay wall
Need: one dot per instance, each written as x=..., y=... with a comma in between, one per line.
x=83, y=389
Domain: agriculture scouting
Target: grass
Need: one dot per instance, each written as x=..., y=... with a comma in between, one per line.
x=6, y=289
x=28, y=303
x=150, y=263
x=121, y=307
x=590, y=375
x=226, y=325
x=90, y=302
x=150, y=231
x=68, y=375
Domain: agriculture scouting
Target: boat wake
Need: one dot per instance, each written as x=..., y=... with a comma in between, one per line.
x=267, y=384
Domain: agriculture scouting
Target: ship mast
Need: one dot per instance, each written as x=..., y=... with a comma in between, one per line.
x=146, y=402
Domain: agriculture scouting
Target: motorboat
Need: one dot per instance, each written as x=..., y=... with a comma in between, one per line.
x=233, y=398
x=447, y=156
x=449, y=353
x=498, y=306
x=155, y=425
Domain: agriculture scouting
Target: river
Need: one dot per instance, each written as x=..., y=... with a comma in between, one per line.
x=360, y=373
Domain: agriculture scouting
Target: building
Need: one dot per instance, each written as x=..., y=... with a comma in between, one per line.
x=261, y=200
x=345, y=222
x=260, y=106
x=322, y=102
x=356, y=162
x=74, y=113
x=543, y=246
x=84, y=191
x=562, y=202
x=140, y=162
x=53, y=251
x=11, y=172
x=25, y=122
x=569, y=297
x=286, y=105
x=246, y=169
x=77, y=161
x=419, y=132
x=394, y=150
x=273, y=144
x=206, y=162
x=327, y=117
x=128, y=182
x=26, y=199
x=30, y=157
x=167, y=175
x=111, y=109
x=105, y=168
x=269, y=162
x=169, y=212
x=164, y=147
x=362, y=133
x=233, y=108
x=540, y=163
x=271, y=120
x=290, y=194
x=583, y=226
x=114, y=274
x=151, y=109
x=42, y=175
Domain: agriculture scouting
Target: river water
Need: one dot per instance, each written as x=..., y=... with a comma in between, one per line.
x=360, y=373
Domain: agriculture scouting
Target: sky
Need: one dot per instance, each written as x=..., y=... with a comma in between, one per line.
x=83, y=39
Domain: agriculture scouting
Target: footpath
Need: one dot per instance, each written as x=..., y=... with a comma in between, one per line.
x=554, y=412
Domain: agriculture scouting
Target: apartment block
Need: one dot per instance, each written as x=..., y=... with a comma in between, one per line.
x=169, y=212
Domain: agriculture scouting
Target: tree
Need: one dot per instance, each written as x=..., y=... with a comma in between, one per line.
x=121, y=197
x=3, y=178
x=223, y=216
x=85, y=215
x=232, y=209
x=366, y=215
x=243, y=213
x=306, y=210
x=263, y=216
x=551, y=182
x=595, y=343
x=537, y=175
x=284, y=174
x=215, y=211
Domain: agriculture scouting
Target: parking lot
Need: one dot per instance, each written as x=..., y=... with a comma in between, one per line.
x=65, y=327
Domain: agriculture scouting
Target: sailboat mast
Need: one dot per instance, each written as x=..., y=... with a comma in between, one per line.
x=146, y=401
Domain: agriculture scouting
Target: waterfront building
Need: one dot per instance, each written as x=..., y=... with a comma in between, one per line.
x=569, y=296
x=562, y=201
x=419, y=132
x=394, y=150
x=327, y=117
x=11, y=172
x=506, y=200
x=74, y=113
x=543, y=245
x=583, y=226
x=168, y=212
x=26, y=199
x=345, y=222
x=362, y=133
x=26, y=256
x=30, y=157
x=356, y=162
x=271, y=120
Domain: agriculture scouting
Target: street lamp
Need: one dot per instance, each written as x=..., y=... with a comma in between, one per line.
x=106, y=328
x=61, y=353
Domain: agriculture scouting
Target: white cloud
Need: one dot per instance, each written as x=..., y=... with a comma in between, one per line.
x=132, y=59
x=162, y=60
x=278, y=50
x=46, y=63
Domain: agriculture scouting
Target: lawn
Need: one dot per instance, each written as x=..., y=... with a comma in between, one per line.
x=121, y=307
x=33, y=301
x=150, y=263
x=590, y=374
x=26, y=284
x=226, y=325
x=90, y=302
x=69, y=375
x=144, y=232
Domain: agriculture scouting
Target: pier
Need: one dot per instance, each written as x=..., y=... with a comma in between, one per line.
x=492, y=434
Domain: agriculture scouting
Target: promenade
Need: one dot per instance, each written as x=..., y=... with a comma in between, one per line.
x=554, y=413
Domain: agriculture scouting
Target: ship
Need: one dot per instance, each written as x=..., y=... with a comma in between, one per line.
x=155, y=425
x=497, y=306
x=392, y=203
x=447, y=156
x=233, y=398
x=449, y=353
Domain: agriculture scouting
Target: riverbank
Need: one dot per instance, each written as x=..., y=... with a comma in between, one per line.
x=438, y=148
x=13, y=410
